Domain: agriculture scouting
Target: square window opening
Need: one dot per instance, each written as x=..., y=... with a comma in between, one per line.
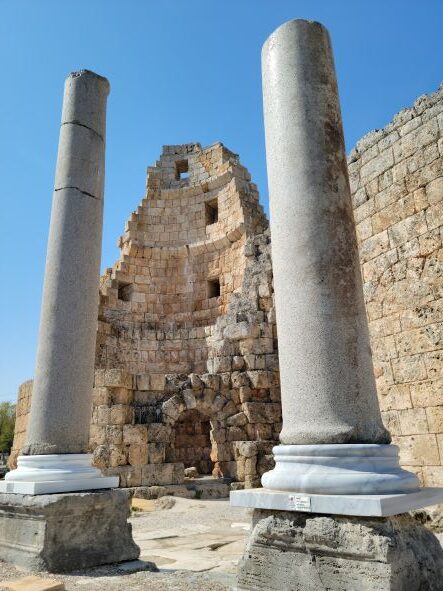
x=181, y=170
x=213, y=288
x=211, y=212
x=125, y=291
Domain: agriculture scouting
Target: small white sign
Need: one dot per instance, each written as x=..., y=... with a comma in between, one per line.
x=298, y=503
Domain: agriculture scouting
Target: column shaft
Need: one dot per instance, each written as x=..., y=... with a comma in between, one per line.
x=62, y=393
x=328, y=385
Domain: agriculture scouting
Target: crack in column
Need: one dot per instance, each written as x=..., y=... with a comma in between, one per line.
x=83, y=125
x=80, y=191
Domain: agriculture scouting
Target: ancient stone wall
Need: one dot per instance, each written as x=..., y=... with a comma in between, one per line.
x=21, y=420
x=181, y=259
x=396, y=178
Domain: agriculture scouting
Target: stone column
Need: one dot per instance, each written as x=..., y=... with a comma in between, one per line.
x=329, y=399
x=314, y=526
x=60, y=415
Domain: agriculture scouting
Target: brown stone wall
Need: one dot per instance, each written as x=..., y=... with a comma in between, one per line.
x=21, y=420
x=182, y=257
x=396, y=178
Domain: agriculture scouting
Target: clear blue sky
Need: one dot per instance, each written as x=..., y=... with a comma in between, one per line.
x=180, y=71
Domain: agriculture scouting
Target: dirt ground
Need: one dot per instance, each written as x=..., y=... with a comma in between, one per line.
x=196, y=545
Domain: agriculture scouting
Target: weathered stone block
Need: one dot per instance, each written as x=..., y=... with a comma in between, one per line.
x=120, y=414
x=156, y=452
x=117, y=378
x=114, y=434
x=157, y=474
x=158, y=432
x=135, y=434
x=138, y=454
x=262, y=412
x=31, y=534
x=418, y=450
x=308, y=552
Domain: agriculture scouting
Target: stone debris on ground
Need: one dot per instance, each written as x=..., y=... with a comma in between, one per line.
x=194, y=543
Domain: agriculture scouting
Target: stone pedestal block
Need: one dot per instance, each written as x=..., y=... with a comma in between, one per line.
x=65, y=532
x=308, y=552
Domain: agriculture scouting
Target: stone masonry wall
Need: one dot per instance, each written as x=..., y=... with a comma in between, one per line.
x=396, y=178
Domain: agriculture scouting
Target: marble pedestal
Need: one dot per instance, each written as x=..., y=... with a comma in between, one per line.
x=65, y=532
x=57, y=473
x=311, y=552
x=358, y=468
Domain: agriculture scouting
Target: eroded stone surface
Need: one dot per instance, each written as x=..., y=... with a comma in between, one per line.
x=64, y=532
x=309, y=552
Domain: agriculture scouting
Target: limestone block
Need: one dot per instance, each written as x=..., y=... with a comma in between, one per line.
x=241, y=331
x=435, y=419
x=138, y=454
x=156, y=452
x=418, y=450
x=189, y=399
x=251, y=466
x=143, y=381
x=196, y=382
x=409, y=369
x=260, y=431
x=308, y=552
x=135, y=434
x=221, y=364
x=238, y=363
x=114, y=434
x=158, y=382
x=413, y=421
x=157, y=474
x=120, y=414
x=101, y=456
x=261, y=379
x=173, y=408
x=121, y=396
x=434, y=190
x=237, y=420
x=101, y=396
x=178, y=473
x=97, y=435
x=117, y=378
x=117, y=455
x=31, y=535
x=245, y=449
x=262, y=412
x=221, y=452
x=211, y=381
x=236, y=434
x=429, y=393
x=433, y=475
x=239, y=379
x=158, y=432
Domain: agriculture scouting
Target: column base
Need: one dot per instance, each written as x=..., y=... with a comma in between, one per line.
x=57, y=473
x=361, y=505
x=339, y=469
x=65, y=532
x=308, y=552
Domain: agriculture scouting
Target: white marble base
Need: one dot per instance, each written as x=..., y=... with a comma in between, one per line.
x=361, y=505
x=58, y=473
x=339, y=469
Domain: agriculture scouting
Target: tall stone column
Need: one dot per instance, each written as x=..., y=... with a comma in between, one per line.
x=335, y=470
x=54, y=458
x=329, y=399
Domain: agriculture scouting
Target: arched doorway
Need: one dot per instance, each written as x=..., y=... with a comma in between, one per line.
x=192, y=442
